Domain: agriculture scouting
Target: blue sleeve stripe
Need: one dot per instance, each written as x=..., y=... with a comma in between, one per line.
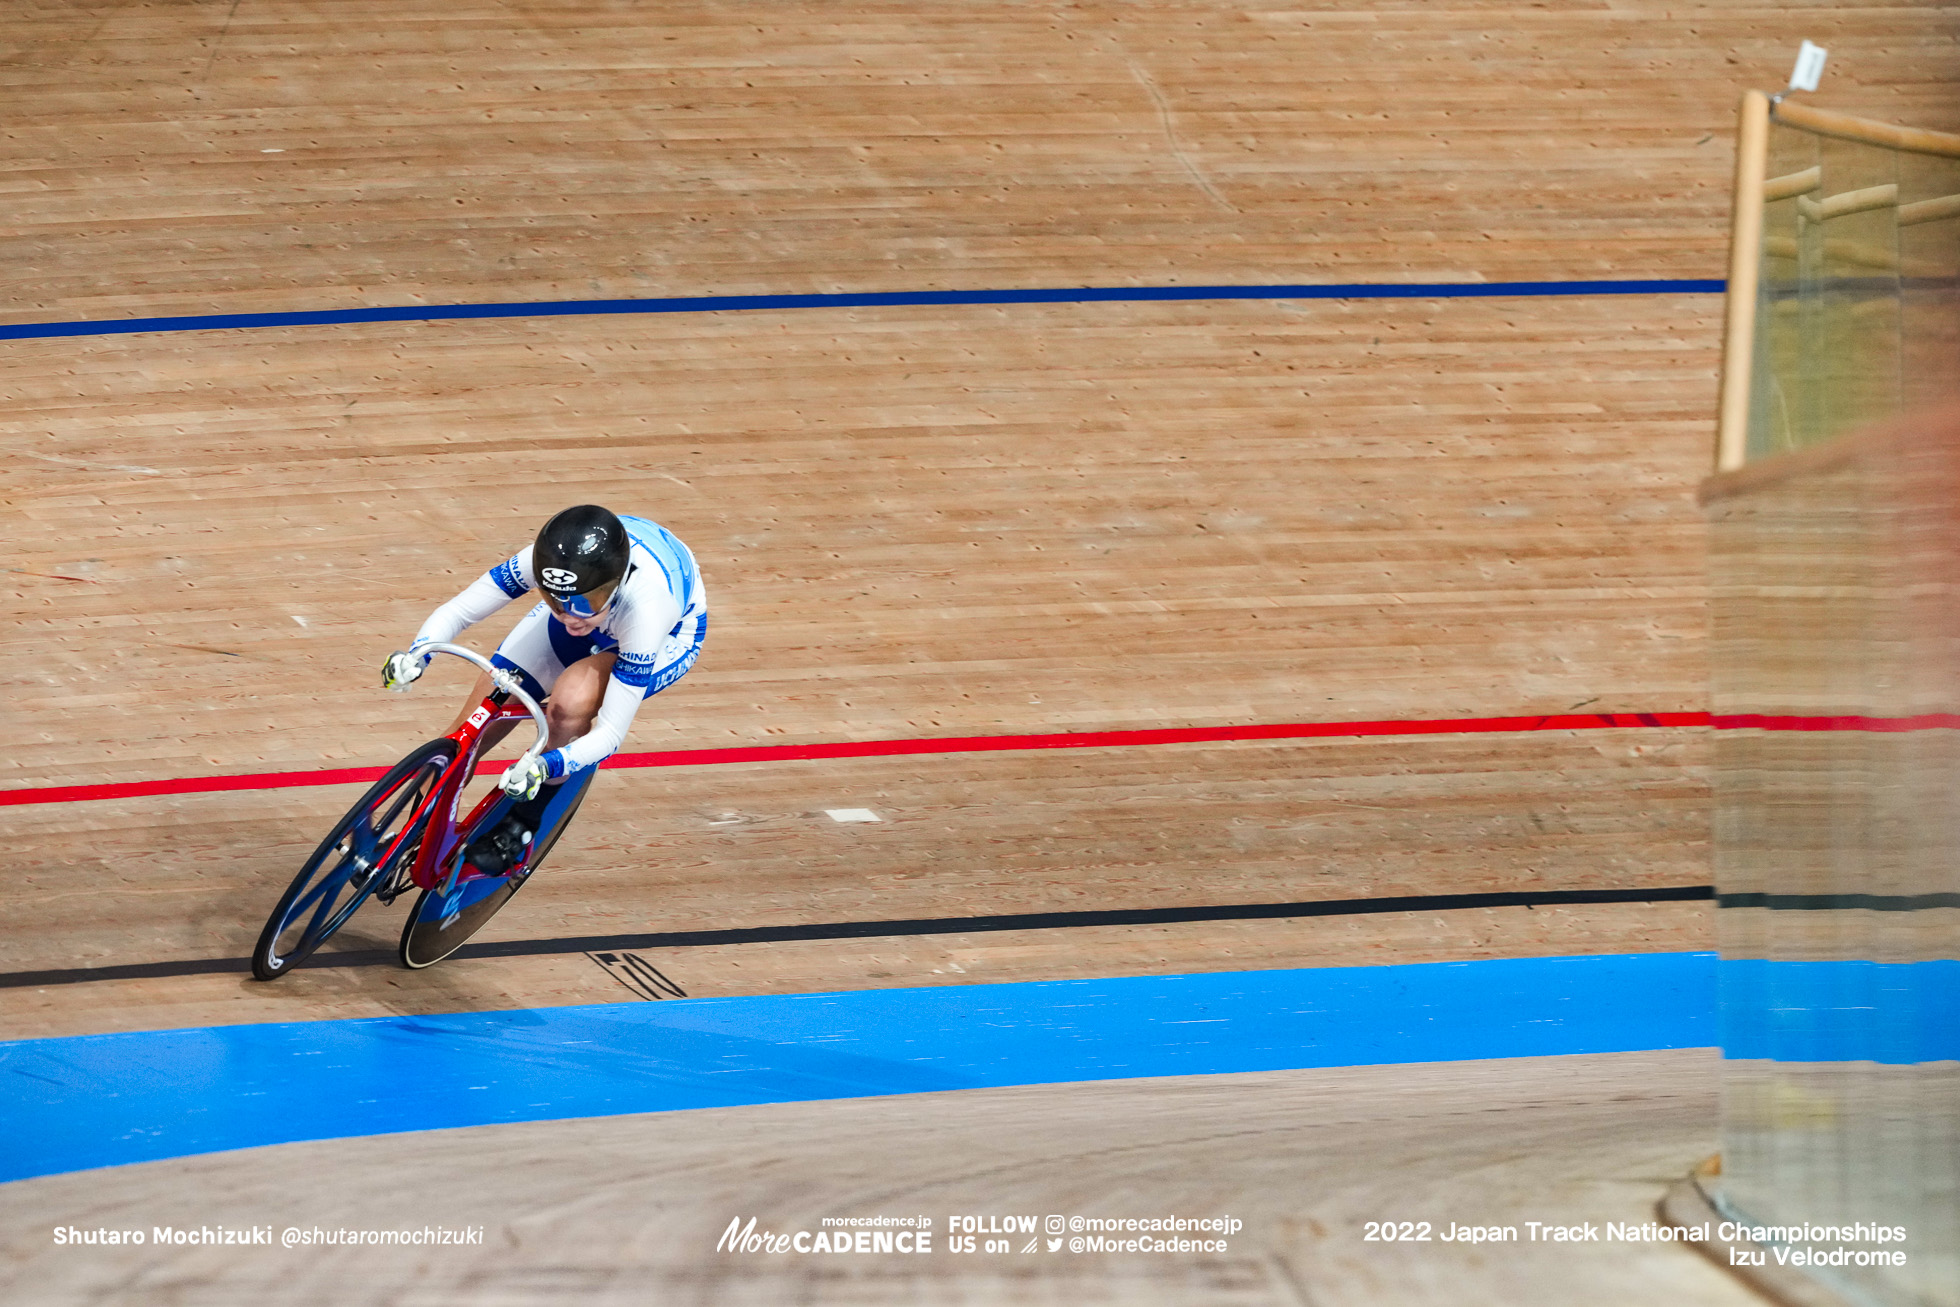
x=675, y=670
x=509, y=576
x=635, y=670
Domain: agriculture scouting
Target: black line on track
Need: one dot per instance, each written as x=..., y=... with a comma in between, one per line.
x=1841, y=902
x=883, y=929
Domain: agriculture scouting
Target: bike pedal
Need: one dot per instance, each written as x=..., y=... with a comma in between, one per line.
x=500, y=850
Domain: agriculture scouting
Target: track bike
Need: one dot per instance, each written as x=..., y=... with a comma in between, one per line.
x=404, y=835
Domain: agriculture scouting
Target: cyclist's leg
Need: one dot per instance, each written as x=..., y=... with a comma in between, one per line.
x=576, y=696
x=536, y=651
x=581, y=688
x=568, y=714
x=579, y=669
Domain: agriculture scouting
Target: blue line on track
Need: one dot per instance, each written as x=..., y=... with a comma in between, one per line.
x=870, y=299
x=105, y=1100
x=1889, y=1013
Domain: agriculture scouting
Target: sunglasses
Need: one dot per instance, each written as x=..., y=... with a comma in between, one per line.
x=585, y=606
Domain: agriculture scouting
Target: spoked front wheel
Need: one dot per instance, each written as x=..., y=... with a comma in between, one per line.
x=363, y=850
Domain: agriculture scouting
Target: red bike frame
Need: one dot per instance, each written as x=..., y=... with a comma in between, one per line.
x=442, y=838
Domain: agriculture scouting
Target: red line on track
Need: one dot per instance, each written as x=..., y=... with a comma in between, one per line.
x=1930, y=721
x=892, y=748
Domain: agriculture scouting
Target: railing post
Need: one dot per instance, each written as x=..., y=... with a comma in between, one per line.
x=1745, y=263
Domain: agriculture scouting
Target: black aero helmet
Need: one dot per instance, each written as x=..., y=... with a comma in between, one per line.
x=581, y=550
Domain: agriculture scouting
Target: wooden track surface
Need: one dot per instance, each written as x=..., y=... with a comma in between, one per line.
x=914, y=522
x=1555, y=1140
x=1149, y=524
x=476, y=151
x=934, y=521
x=749, y=845
x=910, y=521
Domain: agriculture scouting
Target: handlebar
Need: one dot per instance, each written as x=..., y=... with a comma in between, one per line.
x=504, y=681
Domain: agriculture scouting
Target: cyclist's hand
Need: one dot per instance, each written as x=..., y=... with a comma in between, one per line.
x=399, y=669
x=523, y=778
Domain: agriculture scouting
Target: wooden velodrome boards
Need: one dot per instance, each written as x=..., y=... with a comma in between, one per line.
x=937, y=520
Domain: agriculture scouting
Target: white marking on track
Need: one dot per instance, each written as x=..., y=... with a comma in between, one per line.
x=96, y=467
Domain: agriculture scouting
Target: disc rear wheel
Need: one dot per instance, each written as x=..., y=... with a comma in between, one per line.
x=439, y=923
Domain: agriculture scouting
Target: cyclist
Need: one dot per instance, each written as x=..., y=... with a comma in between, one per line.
x=623, y=617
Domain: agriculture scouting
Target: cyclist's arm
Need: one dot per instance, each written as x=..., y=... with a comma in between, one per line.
x=508, y=580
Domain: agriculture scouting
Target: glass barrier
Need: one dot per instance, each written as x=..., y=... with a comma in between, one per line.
x=1835, y=562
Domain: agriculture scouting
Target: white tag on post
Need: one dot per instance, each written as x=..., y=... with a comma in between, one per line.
x=1810, y=67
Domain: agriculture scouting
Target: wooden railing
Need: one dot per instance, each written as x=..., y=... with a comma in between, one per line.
x=1753, y=190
